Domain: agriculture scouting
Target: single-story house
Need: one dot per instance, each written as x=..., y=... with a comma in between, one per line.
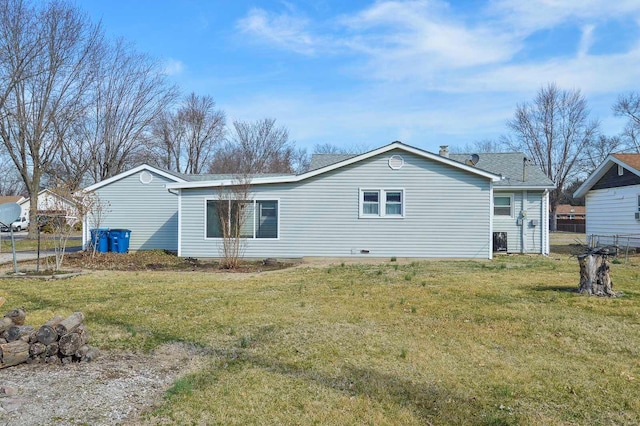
x=612, y=200
x=396, y=200
x=569, y=212
x=49, y=202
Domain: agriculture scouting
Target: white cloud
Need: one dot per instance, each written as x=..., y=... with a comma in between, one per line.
x=586, y=40
x=528, y=16
x=422, y=31
x=173, y=67
x=282, y=30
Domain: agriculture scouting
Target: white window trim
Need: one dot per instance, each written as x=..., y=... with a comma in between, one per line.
x=254, y=202
x=382, y=200
x=493, y=205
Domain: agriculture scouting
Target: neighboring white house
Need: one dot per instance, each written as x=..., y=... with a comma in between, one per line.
x=612, y=198
x=396, y=200
x=49, y=201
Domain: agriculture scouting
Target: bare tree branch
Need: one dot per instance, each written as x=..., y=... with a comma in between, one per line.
x=47, y=52
x=553, y=131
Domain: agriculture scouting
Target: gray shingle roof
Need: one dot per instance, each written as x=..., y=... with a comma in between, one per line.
x=510, y=166
x=507, y=164
x=319, y=161
x=206, y=177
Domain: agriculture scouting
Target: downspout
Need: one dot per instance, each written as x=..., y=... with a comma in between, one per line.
x=490, y=220
x=544, y=228
x=523, y=223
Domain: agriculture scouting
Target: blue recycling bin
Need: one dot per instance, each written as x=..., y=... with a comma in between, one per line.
x=100, y=239
x=119, y=240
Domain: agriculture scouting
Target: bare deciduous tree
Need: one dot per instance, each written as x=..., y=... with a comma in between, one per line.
x=629, y=106
x=47, y=54
x=327, y=148
x=478, y=147
x=130, y=93
x=235, y=213
x=596, y=152
x=185, y=141
x=258, y=147
x=553, y=131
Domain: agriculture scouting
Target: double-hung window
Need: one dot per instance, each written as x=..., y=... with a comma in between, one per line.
x=502, y=205
x=381, y=203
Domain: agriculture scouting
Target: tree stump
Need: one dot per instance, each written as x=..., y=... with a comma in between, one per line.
x=594, y=274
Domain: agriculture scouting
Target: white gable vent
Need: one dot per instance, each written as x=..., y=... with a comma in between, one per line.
x=396, y=162
x=146, y=177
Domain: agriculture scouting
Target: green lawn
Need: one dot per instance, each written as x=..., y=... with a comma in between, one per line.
x=46, y=243
x=436, y=342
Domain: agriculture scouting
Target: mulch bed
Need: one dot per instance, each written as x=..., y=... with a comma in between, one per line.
x=159, y=260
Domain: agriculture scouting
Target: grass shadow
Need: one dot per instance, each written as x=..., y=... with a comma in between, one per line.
x=559, y=288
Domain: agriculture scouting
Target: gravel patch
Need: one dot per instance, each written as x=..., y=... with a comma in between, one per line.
x=114, y=389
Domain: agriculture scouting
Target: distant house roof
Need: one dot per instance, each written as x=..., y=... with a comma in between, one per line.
x=566, y=209
x=507, y=164
x=11, y=199
x=630, y=162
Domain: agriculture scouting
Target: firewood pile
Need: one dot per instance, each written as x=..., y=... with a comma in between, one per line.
x=59, y=341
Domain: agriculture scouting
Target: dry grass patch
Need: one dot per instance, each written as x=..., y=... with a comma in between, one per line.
x=446, y=342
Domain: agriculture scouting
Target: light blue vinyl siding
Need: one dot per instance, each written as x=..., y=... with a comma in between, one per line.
x=447, y=214
x=532, y=234
x=148, y=210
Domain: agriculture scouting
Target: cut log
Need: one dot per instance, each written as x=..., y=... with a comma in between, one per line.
x=52, y=359
x=5, y=323
x=46, y=335
x=594, y=275
x=83, y=331
x=91, y=355
x=15, y=332
x=69, y=324
x=70, y=343
x=52, y=349
x=54, y=321
x=37, y=349
x=17, y=316
x=82, y=351
x=13, y=353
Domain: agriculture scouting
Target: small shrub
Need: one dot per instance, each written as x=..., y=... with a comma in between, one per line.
x=403, y=353
x=414, y=309
x=244, y=342
x=393, y=259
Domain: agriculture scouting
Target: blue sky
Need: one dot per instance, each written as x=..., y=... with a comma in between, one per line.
x=427, y=73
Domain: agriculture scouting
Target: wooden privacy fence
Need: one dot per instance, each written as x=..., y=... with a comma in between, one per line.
x=572, y=225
